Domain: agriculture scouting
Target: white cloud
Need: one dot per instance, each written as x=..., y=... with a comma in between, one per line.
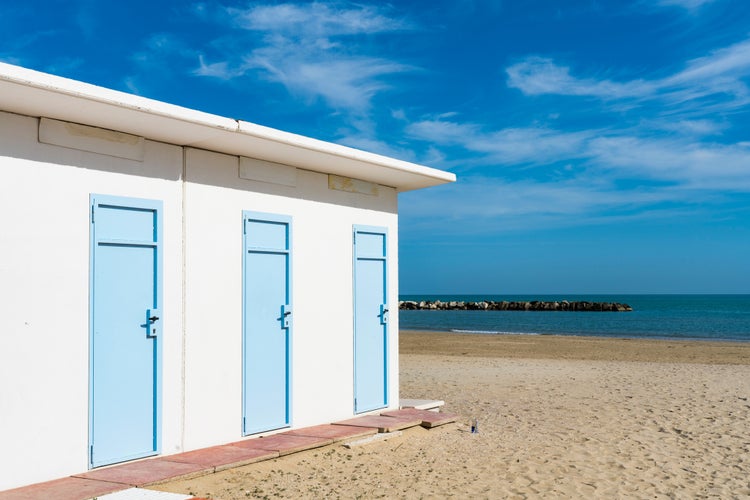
x=685, y=4
x=479, y=202
x=687, y=165
x=65, y=65
x=218, y=70
x=537, y=75
x=615, y=155
x=711, y=82
x=623, y=179
x=156, y=60
x=399, y=114
x=660, y=166
x=728, y=62
x=130, y=83
x=443, y=132
x=316, y=20
x=347, y=83
x=159, y=47
x=367, y=143
x=311, y=49
x=688, y=127
x=85, y=20
x=534, y=145
x=11, y=60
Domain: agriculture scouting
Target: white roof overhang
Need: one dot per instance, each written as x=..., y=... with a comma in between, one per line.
x=32, y=93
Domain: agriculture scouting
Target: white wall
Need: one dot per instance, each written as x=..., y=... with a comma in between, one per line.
x=322, y=362
x=44, y=294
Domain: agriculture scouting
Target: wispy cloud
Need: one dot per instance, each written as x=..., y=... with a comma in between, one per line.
x=537, y=75
x=643, y=181
x=344, y=82
x=367, y=143
x=687, y=165
x=728, y=62
x=712, y=82
x=680, y=161
x=311, y=49
x=23, y=44
x=689, y=128
x=663, y=162
x=479, y=203
x=220, y=70
x=685, y=4
x=316, y=20
x=162, y=55
x=85, y=19
x=534, y=145
x=65, y=65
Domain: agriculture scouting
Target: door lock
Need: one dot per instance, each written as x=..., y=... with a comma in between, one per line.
x=383, y=314
x=152, y=327
x=286, y=312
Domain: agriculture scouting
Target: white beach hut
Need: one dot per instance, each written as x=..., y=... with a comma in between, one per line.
x=172, y=280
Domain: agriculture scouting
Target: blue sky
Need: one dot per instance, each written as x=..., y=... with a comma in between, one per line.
x=600, y=146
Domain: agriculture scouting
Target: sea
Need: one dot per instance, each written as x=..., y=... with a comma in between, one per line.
x=683, y=317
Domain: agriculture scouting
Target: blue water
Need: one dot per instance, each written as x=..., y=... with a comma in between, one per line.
x=697, y=317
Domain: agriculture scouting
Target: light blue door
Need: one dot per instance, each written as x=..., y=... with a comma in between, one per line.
x=267, y=318
x=125, y=329
x=370, y=319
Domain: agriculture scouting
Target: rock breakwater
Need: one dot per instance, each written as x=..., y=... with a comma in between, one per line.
x=504, y=305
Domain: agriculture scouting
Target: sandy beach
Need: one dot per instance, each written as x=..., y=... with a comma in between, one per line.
x=559, y=417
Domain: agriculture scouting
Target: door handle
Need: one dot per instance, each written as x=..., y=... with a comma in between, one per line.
x=286, y=311
x=152, y=328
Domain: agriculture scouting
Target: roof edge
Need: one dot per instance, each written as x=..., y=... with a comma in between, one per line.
x=211, y=131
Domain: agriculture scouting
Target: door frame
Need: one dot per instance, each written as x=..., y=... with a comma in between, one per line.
x=358, y=228
x=284, y=219
x=131, y=203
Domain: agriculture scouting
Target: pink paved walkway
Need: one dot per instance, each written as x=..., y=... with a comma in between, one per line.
x=196, y=463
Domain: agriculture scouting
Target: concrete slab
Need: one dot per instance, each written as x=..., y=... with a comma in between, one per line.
x=335, y=432
x=68, y=488
x=284, y=443
x=421, y=404
x=143, y=494
x=146, y=472
x=383, y=424
x=219, y=458
x=429, y=418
